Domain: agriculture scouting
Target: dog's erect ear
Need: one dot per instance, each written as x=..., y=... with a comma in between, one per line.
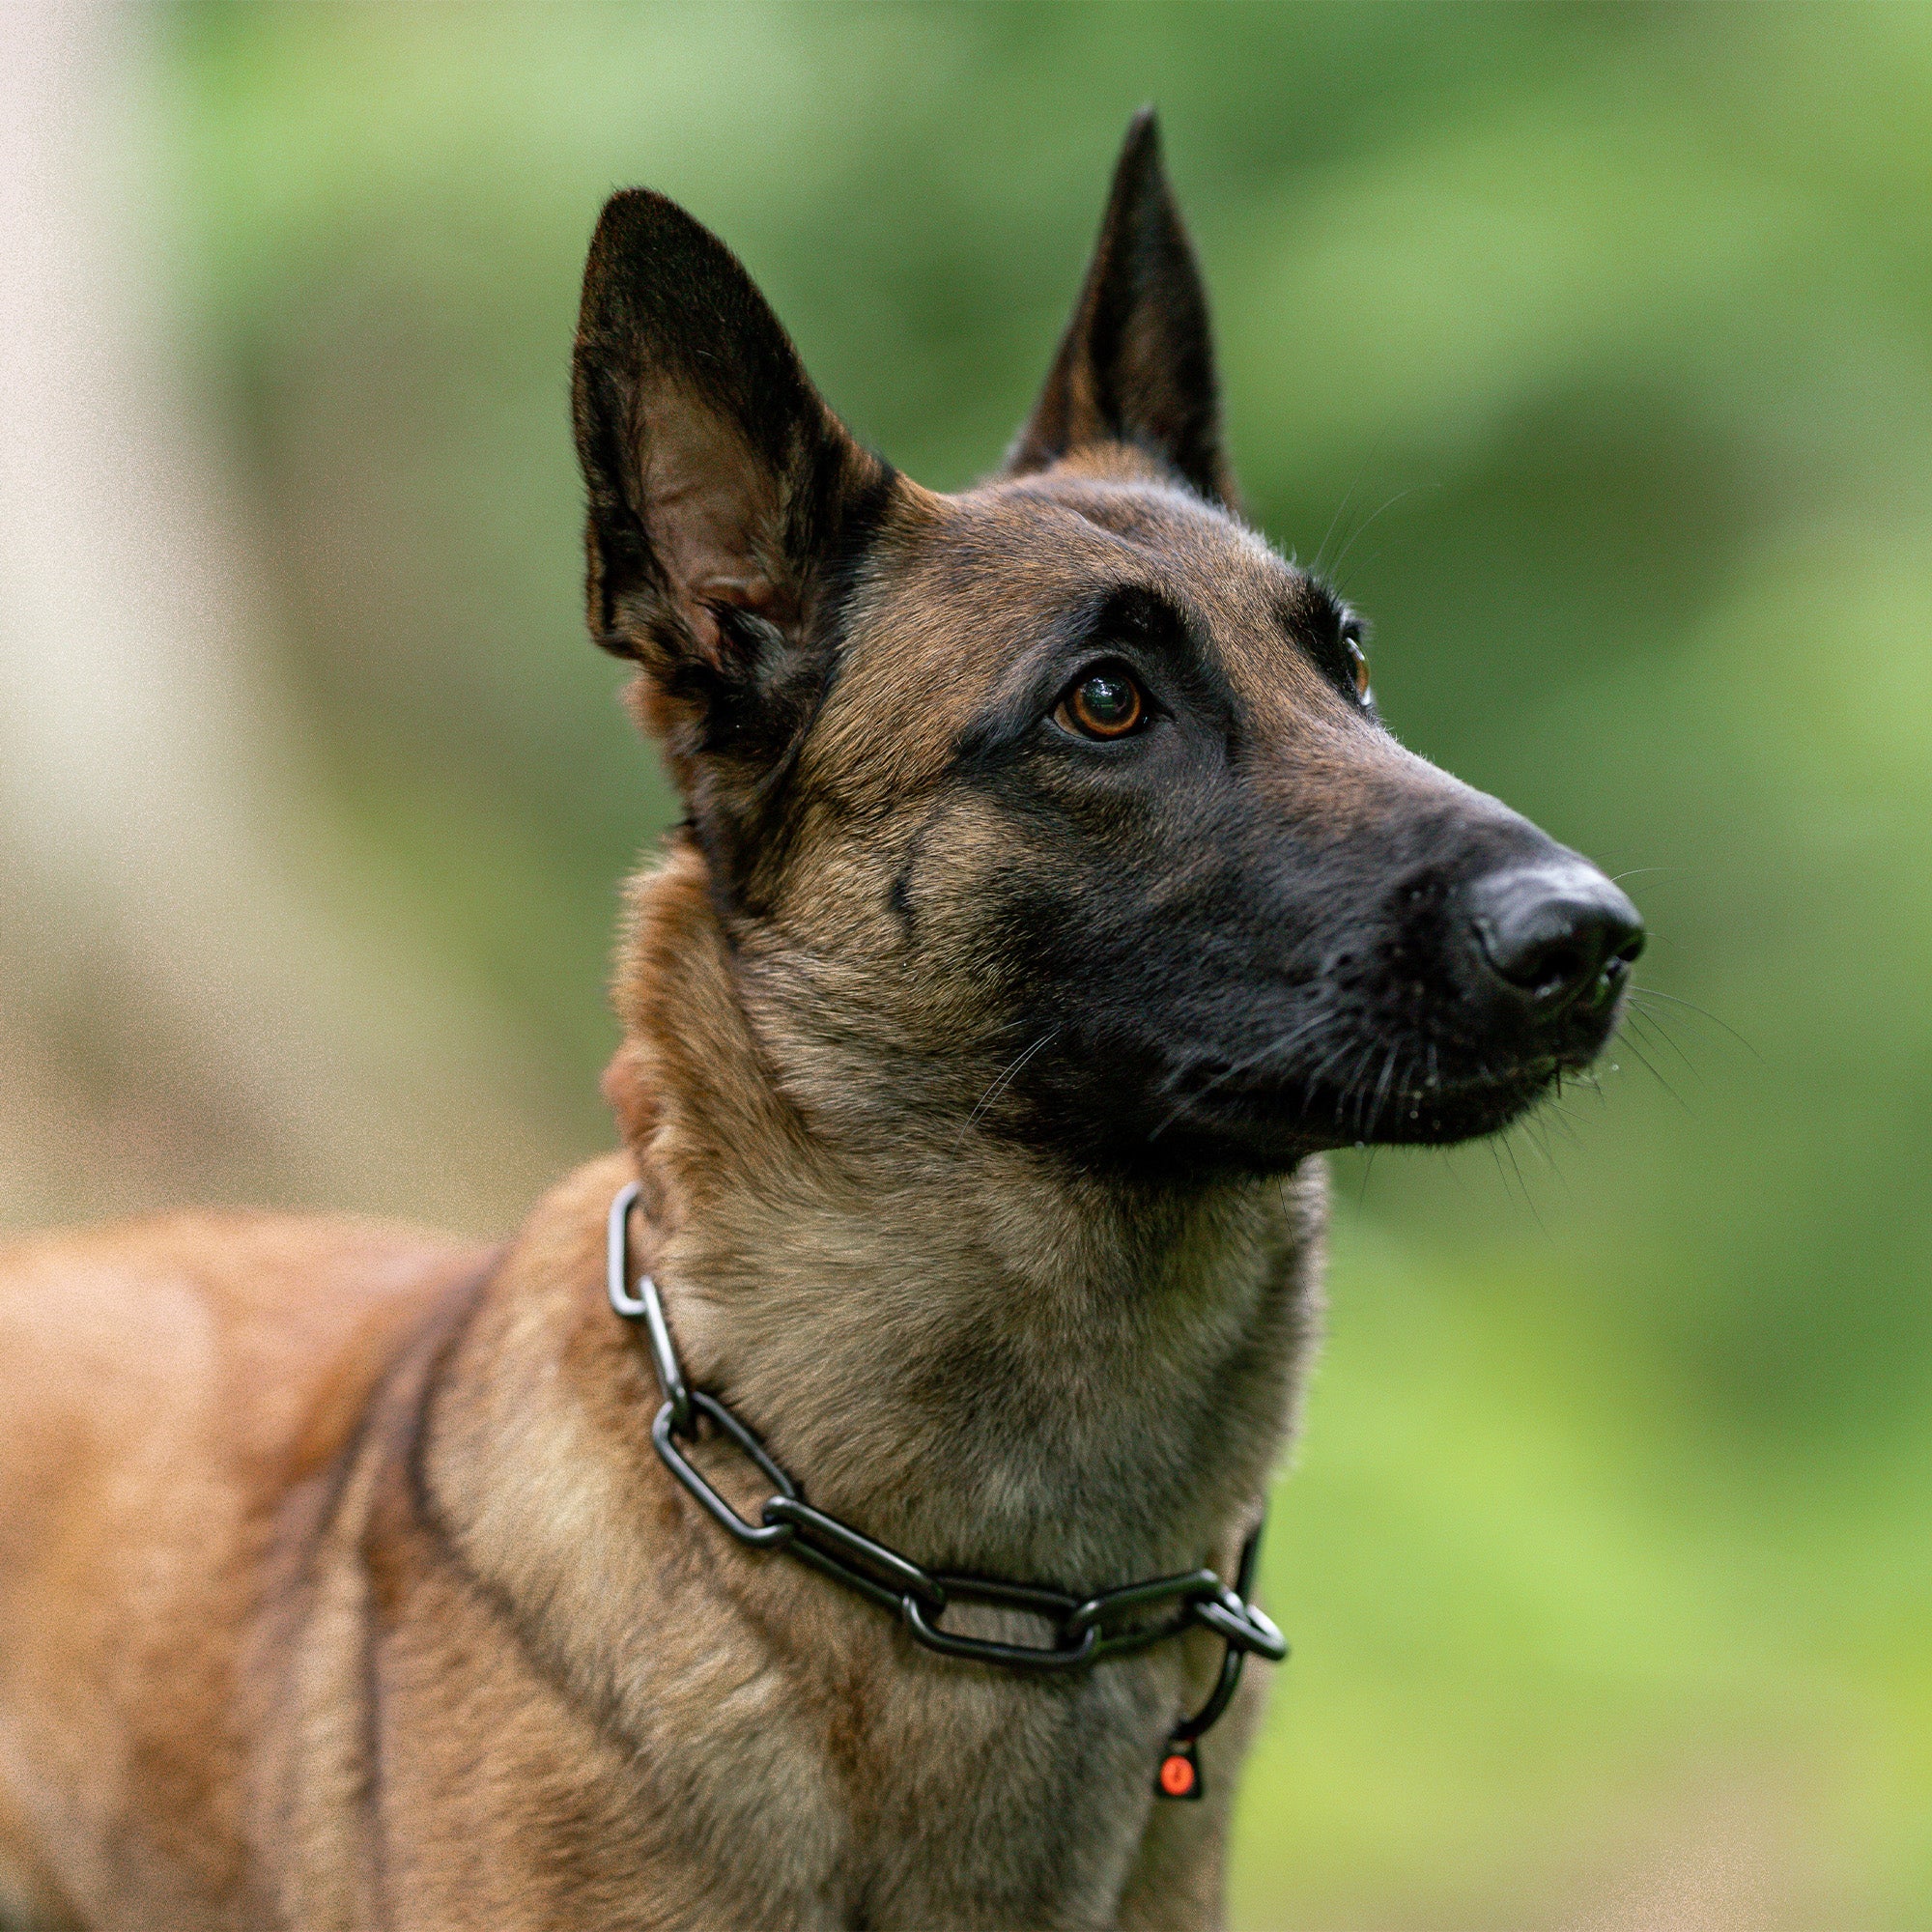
x=1136, y=364
x=722, y=490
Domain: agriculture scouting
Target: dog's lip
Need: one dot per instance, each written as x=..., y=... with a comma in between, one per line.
x=1509, y=1088
x=1512, y=1085
x=1534, y=1070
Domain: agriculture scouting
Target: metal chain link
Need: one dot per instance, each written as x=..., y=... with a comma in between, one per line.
x=1083, y=1628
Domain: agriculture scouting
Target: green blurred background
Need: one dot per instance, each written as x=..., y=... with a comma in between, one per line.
x=1591, y=351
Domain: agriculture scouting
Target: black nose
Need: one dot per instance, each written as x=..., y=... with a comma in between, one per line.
x=1555, y=930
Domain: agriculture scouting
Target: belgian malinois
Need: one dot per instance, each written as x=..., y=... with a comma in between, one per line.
x=1048, y=899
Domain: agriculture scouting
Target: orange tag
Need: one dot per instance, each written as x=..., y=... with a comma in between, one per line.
x=1180, y=1774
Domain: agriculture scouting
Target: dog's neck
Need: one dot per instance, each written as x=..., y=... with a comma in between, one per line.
x=998, y=1365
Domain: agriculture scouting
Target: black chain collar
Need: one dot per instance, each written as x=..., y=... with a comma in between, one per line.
x=1084, y=1630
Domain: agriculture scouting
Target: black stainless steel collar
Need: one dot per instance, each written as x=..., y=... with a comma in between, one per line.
x=1084, y=1630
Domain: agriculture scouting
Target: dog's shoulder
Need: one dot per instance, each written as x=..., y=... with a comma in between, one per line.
x=242, y=1316
x=168, y=1383
x=166, y=1378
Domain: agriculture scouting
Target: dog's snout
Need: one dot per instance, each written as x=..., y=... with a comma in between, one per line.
x=1555, y=931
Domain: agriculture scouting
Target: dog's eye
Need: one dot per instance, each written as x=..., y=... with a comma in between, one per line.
x=1361, y=663
x=1104, y=704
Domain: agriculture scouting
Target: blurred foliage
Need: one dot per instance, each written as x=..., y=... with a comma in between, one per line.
x=1591, y=351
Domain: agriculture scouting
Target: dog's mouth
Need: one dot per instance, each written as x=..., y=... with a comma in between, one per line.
x=1387, y=1093
x=1420, y=1059
x=1435, y=1112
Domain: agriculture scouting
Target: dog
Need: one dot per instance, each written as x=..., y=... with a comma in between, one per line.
x=1048, y=899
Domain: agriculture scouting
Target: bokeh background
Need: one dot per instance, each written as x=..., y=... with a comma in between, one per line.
x=1590, y=349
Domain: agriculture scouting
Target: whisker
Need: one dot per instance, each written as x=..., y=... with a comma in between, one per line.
x=1343, y=1051
x=1320, y=1071
x=1536, y=1126
x=1691, y=1006
x=1358, y=1086
x=1659, y=1034
x=1528, y=1200
x=1000, y=1084
x=1335, y=568
x=1383, y=1087
x=1284, y=1043
x=1650, y=1066
x=1341, y=508
x=1558, y=1118
x=1494, y=1146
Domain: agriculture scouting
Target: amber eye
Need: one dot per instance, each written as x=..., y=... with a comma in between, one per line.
x=1361, y=665
x=1104, y=704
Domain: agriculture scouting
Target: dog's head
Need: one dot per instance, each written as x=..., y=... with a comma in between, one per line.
x=1058, y=808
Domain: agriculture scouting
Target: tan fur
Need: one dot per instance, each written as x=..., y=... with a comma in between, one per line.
x=339, y=1591
x=340, y=1588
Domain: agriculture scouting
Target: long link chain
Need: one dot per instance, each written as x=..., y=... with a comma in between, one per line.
x=1084, y=1630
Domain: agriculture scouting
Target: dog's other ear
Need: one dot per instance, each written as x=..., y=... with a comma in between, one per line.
x=1136, y=364
x=722, y=491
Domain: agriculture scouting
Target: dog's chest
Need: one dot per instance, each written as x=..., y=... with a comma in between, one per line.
x=939, y=1796
x=733, y=1740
